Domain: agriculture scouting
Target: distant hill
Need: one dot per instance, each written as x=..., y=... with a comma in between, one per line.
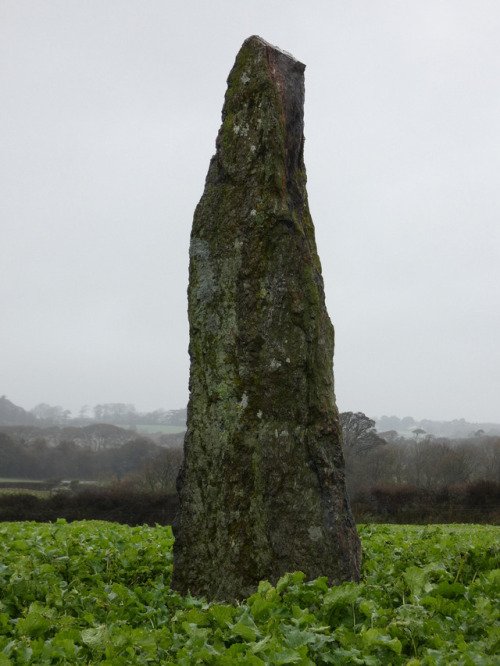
x=12, y=415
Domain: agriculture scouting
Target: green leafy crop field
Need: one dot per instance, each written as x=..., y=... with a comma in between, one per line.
x=98, y=593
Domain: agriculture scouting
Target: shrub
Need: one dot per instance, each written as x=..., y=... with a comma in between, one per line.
x=116, y=504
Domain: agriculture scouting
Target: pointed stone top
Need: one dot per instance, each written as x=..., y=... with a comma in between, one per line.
x=265, y=43
x=263, y=116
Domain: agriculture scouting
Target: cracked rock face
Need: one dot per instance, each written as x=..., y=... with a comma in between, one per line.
x=262, y=488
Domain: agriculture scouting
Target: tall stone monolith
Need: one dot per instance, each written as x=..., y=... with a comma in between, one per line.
x=262, y=488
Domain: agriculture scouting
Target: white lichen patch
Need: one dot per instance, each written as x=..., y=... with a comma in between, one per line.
x=245, y=78
x=241, y=130
x=206, y=285
x=259, y=414
x=274, y=365
x=199, y=249
x=253, y=212
x=243, y=404
x=315, y=533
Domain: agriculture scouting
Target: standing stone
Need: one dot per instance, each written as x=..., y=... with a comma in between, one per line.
x=262, y=488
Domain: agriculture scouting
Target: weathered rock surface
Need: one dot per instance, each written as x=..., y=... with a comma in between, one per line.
x=262, y=488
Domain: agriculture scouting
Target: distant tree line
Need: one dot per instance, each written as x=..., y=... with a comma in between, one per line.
x=457, y=428
x=116, y=413
x=100, y=451
x=420, y=476
x=105, y=451
x=107, y=454
x=421, y=460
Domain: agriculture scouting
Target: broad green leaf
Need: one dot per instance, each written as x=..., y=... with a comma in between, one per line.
x=95, y=638
x=294, y=638
x=246, y=632
x=376, y=637
x=264, y=587
x=33, y=625
x=143, y=639
x=341, y=596
x=449, y=590
x=261, y=609
x=284, y=582
x=66, y=647
x=415, y=578
x=198, y=617
x=223, y=615
x=261, y=645
x=236, y=649
x=368, y=607
x=492, y=642
x=285, y=655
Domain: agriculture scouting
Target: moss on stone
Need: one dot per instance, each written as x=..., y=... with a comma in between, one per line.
x=262, y=487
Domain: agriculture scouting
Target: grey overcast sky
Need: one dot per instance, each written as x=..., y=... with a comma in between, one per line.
x=108, y=116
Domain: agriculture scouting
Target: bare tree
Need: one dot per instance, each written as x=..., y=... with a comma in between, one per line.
x=358, y=433
x=161, y=472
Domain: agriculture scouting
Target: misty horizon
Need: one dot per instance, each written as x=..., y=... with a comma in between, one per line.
x=90, y=410
x=108, y=121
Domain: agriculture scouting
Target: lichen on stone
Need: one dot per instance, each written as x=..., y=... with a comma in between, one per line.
x=262, y=488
